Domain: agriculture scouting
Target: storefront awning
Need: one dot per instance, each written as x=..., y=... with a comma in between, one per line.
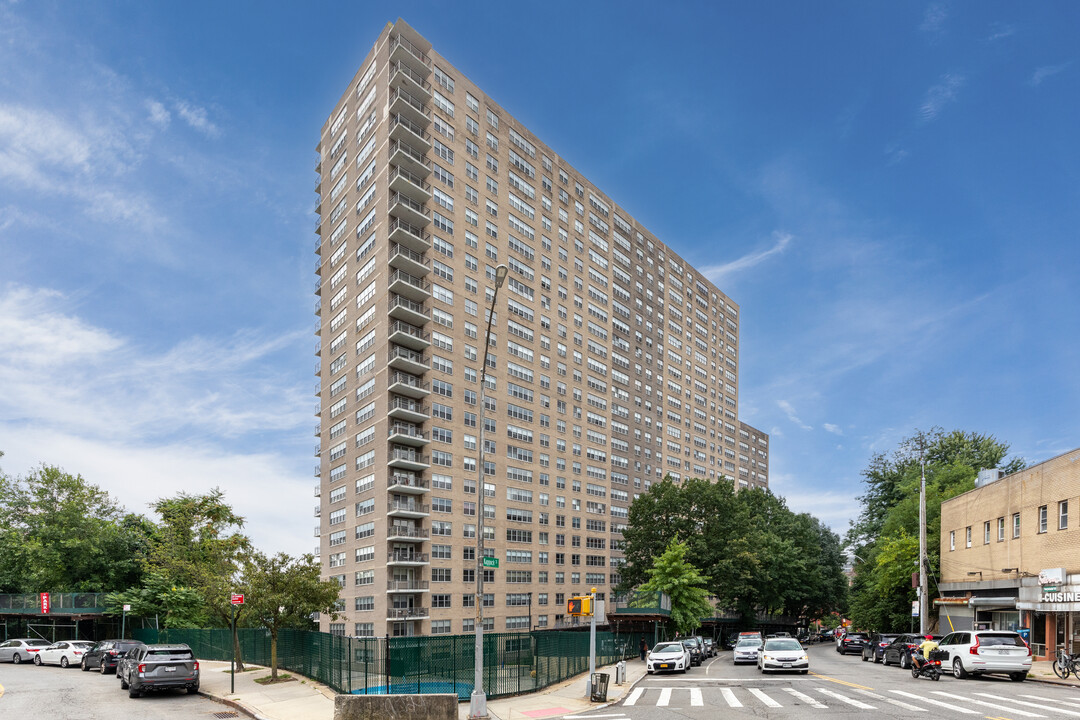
x=992, y=602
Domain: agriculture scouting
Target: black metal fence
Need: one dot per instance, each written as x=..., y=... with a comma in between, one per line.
x=514, y=663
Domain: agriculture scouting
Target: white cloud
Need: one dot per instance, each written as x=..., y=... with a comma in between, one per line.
x=1046, y=71
x=940, y=95
x=934, y=18
x=834, y=429
x=834, y=508
x=196, y=117
x=720, y=273
x=790, y=412
x=159, y=115
x=1000, y=31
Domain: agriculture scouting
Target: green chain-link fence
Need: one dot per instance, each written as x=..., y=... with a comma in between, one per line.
x=514, y=663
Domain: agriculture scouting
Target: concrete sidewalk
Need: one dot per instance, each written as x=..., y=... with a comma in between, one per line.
x=1043, y=671
x=305, y=699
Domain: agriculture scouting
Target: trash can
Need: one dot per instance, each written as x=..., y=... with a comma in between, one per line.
x=599, y=687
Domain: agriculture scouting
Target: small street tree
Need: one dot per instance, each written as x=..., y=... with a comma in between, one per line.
x=283, y=591
x=682, y=582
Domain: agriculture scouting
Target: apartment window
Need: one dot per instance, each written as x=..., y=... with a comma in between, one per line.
x=968, y=530
x=986, y=533
x=1042, y=519
x=1001, y=529
x=1063, y=515
x=952, y=540
x=440, y=627
x=1016, y=525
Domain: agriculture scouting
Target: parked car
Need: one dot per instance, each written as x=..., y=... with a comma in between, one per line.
x=874, y=649
x=696, y=646
x=122, y=661
x=21, y=649
x=746, y=650
x=105, y=654
x=978, y=652
x=852, y=642
x=668, y=657
x=783, y=654
x=65, y=653
x=900, y=650
x=160, y=667
x=710, y=647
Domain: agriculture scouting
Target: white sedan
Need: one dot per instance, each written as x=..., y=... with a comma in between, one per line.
x=783, y=654
x=668, y=657
x=746, y=650
x=66, y=653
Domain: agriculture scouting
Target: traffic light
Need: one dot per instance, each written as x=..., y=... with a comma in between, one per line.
x=579, y=606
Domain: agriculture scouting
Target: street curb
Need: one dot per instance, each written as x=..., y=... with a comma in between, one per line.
x=234, y=705
x=1052, y=681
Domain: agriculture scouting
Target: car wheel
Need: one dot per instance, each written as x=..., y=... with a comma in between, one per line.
x=193, y=690
x=905, y=662
x=803, y=672
x=864, y=658
x=101, y=666
x=16, y=658
x=37, y=660
x=134, y=693
x=83, y=666
x=958, y=670
x=878, y=659
x=1018, y=676
x=123, y=683
x=683, y=671
x=63, y=662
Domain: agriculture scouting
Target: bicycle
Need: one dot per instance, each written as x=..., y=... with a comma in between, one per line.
x=1066, y=663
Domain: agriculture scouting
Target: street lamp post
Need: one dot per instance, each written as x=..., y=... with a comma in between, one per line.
x=478, y=699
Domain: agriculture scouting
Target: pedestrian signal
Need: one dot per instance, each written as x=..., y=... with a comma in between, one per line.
x=579, y=606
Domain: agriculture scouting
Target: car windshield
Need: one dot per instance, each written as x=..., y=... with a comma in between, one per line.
x=170, y=652
x=1007, y=640
x=782, y=644
x=748, y=642
x=668, y=648
x=83, y=644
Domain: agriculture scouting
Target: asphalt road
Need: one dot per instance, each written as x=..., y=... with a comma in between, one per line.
x=836, y=685
x=53, y=692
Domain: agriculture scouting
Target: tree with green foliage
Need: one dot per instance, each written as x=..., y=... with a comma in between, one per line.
x=683, y=583
x=282, y=591
x=172, y=606
x=884, y=538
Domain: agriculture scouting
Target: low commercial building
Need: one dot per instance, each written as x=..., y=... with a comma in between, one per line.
x=1010, y=555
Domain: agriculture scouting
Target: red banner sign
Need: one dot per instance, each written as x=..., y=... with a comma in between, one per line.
x=46, y=605
x=237, y=599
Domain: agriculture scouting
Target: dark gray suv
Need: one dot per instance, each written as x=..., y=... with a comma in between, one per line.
x=159, y=667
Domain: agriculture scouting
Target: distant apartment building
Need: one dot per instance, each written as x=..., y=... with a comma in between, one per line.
x=1010, y=555
x=613, y=362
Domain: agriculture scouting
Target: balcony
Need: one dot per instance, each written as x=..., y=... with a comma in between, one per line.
x=405, y=130
x=406, y=586
x=410, y=336
x=408, y=286
x=407, y=434
x=406, y=534
x=405, y=458
x=402, y=481
x=408, y=410
x=409, y=210
x=401, y=50
x=404, y=557
x=405, y=78
x=407, y=360
x=412, y=262
x=408, y=235
x=318, y=306
x=414, y=613
x=318, y=489
x=407, y=105
x=408, y=385
x=406, y=156
x=409, y=184
x=404, y=309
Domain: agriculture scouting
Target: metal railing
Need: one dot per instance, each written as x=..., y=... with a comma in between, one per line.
x=397, y=531
x=404, y=556
x=411, y=177
x=403, y=69
x=398, y=119
x=403, y=327
x=400, y=506
x=66, y=603
x=407, y=585
x=397, y=40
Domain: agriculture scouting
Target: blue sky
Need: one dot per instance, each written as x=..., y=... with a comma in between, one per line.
x=889, y=191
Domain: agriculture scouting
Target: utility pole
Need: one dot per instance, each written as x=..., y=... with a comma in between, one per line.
x=924, y=585
x=592, y=646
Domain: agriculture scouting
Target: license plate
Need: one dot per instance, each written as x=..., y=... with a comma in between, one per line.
x=786, y=665
x=663, y=665
x=170, y=669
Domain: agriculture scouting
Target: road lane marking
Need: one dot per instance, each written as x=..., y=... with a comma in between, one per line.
x=634, y=695
x=840, y=682
x=1014, y=711
x=844, y=698
x=665, y=697
x=1025, y=703
x=764, y=698
x=957, y=708
x=730, y=698
x=695, y=698
x=1050, y=699
x=891, y=701
x=806, y=698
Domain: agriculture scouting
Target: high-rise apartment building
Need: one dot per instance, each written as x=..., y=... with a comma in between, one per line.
x=612, y=362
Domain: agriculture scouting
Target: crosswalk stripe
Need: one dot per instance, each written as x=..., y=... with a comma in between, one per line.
x=1025, y=703
x=665, y=697
x=1014, y=711
x=764, y=698
x=730, y=698
x=806, y=699
x=891, y=701
x=695, y=698
x=844, y=698
x=634, y=695
x=957, y=708
x=1050, y=699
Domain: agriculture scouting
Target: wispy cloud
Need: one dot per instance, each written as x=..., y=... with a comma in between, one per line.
x=197, y=118
x=834, y=429
x=1000, y=31
x=719, y=273
x=159, y=115
x=934, y=18
x=1046, y=71
x=791, y=415
x=940, y=95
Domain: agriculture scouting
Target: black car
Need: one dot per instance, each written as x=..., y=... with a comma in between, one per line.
x=696, y=647
x=874, y=650
x=159, y=667
x=900, y=650
x=732, y=640
x=852, y=642
x=105, y=655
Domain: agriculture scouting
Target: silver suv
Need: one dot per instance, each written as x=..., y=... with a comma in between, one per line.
x=977, y=652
